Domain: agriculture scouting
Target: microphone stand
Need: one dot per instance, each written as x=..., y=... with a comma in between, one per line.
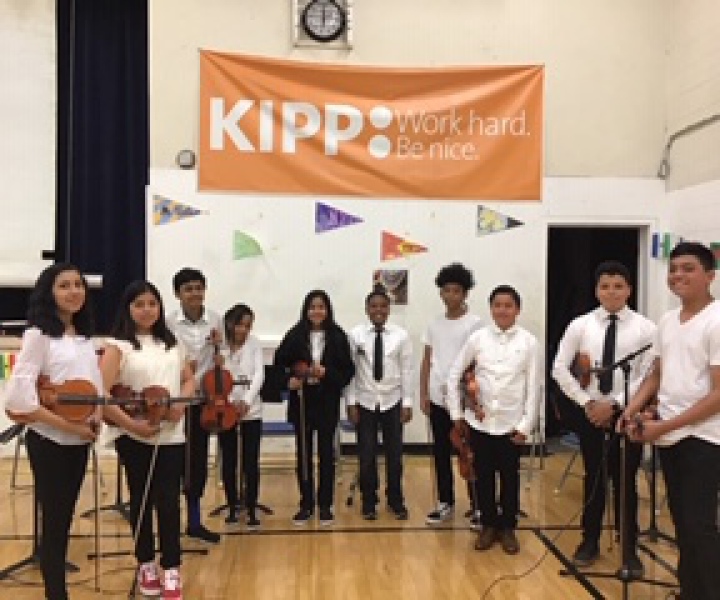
x=624, y=573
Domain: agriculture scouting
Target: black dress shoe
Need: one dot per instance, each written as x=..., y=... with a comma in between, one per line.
x=400, y=512
x=369, y=514
x=203, y=534
x=586, y=554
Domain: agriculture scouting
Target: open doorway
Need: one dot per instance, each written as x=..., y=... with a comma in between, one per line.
x=573, y=254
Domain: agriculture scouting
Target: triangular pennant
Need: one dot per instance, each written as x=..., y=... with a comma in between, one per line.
x=245, y=246
x=328, y=217
x=394, y=246
x=169, y=211
x=715, y=247
x=491, y=221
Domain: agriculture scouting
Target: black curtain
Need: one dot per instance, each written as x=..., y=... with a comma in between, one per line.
x=103, y=142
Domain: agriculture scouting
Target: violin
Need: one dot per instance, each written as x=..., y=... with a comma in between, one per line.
x=581, y=368
x=218, y=413
x=470, y=389
x=466, y=457
x=152, y=404
x=74, y=400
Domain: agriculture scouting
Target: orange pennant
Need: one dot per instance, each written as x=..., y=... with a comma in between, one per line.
x=394, y=247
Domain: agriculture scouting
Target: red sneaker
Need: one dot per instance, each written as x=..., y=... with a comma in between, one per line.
x=172, y=588
x=148, y=579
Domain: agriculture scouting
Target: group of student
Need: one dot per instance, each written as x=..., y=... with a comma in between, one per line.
x=372, y=367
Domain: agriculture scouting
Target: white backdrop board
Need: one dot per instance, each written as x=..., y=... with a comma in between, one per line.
x=295, y=258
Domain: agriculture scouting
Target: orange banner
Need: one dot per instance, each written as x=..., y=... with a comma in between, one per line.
x=270, y=125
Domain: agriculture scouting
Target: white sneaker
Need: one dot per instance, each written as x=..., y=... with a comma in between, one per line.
x=172, y=585
x=443, y=512
x=148, y=579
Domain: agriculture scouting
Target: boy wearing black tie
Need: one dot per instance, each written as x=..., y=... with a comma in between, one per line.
x=604, y=335
x=380, y=394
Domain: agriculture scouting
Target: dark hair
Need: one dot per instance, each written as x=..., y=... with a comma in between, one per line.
x=329, y=322
x=378, y=290
x=42, y=307
x=705, y=256
x=505, y=289
x=455, y=273
x=187, y=275
x=126, y=329
x=233, y=316
x=613, y=267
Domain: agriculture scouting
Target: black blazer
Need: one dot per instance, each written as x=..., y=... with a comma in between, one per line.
x=322, y=401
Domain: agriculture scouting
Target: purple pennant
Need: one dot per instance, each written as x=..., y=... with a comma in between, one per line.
x=327, y=218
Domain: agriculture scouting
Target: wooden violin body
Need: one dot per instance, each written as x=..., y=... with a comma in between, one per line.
x=470, y=389
x=466, y=457
x=151, y=404
x=218, y=413
x=581, y=369
x=74, y=400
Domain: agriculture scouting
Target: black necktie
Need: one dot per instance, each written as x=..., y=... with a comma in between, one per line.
x=378, y=356
x=605, y=380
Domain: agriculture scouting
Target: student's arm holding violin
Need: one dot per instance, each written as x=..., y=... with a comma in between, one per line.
x=22, y=397
x=110, y=368
x=454, y=384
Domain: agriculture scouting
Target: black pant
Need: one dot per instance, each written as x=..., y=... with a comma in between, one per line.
x=442, y=452
x=58, y=472
x=496, y=455
x=392, y=435
x=250, y=433
x=326, y=462
x=163, y=496
x=692, y=477
x=596, y=445
x=196, y=455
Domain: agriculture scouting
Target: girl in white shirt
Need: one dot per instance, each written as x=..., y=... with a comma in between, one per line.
x=243, y=358
x=56, y=345
x=144, y=353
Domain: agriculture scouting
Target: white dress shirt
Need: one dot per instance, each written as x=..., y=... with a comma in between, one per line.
x=586, y=334
x=507, y=373
x=247, y=363
x=59, y=359
x=195, y=336
x=397, y=382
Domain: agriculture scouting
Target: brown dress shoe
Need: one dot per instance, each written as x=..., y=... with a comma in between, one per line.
x=509, y=542
x=486, y=538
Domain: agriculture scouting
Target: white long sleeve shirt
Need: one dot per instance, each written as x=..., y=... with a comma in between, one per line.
x=507, y=373
x=586, y=334
x=247, y=363
x=60, y=359
x=397, y=382
x=195, y=336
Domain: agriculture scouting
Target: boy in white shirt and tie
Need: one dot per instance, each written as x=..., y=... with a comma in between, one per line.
x=381, y=393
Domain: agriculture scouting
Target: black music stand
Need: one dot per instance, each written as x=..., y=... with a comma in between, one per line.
x=119, y=505
x=33, y=559
x=624, y=573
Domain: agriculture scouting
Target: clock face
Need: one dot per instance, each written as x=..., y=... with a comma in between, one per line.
x=323, y=20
